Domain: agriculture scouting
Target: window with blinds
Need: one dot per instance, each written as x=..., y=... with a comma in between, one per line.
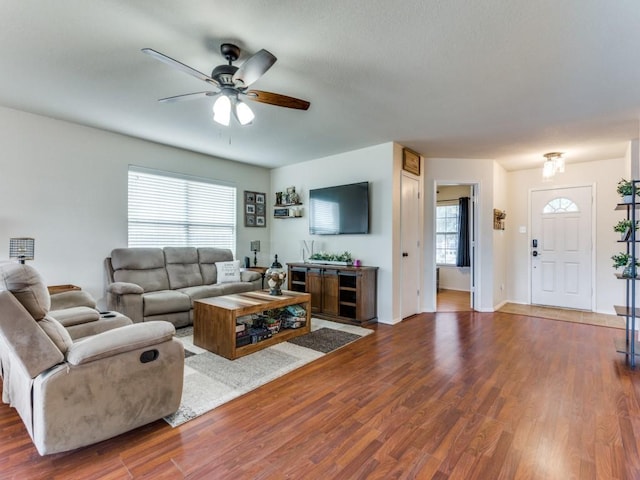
x=447, y=234
x=170, y=210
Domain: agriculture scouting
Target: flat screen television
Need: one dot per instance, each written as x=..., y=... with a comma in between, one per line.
x=343, y=209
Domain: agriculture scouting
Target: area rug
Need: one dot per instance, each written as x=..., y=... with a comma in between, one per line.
x=565, y=315
x=211, y=380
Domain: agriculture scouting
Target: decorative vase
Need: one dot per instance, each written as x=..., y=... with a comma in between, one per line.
x=629, y=271
x=275, y=276
x=627, y=199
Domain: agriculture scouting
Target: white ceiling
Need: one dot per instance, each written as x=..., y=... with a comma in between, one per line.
x=508, y=80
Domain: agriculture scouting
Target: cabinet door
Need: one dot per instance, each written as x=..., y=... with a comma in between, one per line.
x=330, y=289
x=314, y=287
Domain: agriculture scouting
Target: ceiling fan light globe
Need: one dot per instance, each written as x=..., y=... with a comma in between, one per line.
x=222, y=110
x=244, y=114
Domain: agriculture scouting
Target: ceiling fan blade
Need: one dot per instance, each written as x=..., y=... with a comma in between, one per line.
x=179, y=65
x=188, y=96
x=277, y=99
x=256, y=66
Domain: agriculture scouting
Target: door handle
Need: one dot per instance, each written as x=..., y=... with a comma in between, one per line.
x=535, y=253
x=405, y=254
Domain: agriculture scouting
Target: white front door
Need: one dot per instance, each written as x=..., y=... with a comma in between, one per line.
x=410, y=244
x=561, y=247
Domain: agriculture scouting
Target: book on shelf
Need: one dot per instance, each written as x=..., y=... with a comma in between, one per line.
x=295, y=311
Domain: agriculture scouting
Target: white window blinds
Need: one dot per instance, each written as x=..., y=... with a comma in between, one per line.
x=169, y=210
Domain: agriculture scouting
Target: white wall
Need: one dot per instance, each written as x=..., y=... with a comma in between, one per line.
x=603, y=175
x=500, y=242
x=66, y=186
x=372, y=164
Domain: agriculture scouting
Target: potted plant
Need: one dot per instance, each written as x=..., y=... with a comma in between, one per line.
x=625, y=190
x=624, y=228
x=344, y=258
x=624, y=260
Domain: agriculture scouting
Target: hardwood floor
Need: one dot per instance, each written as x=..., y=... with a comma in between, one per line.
x=453, y=301
x=440, y=396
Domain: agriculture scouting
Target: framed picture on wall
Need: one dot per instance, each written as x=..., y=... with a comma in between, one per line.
x=411, y=162
x=254, y=209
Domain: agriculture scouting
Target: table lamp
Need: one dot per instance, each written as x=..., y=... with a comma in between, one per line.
x=21, y=248
x=255, y=248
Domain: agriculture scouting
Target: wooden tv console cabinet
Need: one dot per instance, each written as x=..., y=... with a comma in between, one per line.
x=341, y=293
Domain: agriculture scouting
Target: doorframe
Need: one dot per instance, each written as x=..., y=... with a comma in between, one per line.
x=594, y=236
x=476, y=249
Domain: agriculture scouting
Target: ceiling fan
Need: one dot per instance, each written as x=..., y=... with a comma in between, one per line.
x=232, y=84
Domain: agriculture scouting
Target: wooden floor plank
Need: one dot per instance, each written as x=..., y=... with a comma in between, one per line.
x=438, y=396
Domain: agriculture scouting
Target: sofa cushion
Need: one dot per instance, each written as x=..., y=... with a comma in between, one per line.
x=203, y=291
x=75, y=315
x=72, y=298
x=207, y=257
x=228, y=271
x=182, y=267
x=165, y=301
x=27, y=286
x=142, y=266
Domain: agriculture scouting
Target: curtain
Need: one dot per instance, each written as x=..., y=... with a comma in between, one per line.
x=464, y=254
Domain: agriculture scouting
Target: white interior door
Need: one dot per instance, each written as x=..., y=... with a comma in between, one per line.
x=410, y=241
x=561, y=247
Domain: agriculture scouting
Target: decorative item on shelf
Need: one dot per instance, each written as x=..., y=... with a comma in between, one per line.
x=344, y=258
x=280, y=212
x=625, y=190
x=624, y=260
x=255, y=211
x=624, y=228
x=275, y=277
x=498, y=219
x=21, y=248
x=255, y=248
x=292, y=198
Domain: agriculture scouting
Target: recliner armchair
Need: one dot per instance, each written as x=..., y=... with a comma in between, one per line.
x=68, y=393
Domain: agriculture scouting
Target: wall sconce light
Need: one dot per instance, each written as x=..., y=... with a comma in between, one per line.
x=553, y=164
x=255, y=248
x=21, y=248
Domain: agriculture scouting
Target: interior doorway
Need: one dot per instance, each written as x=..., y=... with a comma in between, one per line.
x=455, y=233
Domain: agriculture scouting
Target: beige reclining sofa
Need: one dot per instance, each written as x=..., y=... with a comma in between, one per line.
x=161, y=283
x=68, y=393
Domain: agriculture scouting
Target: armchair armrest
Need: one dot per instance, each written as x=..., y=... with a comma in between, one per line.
x=249, y=276
x=119, y=340
x=124, y=288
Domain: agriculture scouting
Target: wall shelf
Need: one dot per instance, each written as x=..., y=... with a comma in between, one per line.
x=629, y=345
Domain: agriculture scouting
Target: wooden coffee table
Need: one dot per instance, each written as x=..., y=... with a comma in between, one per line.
x=214, y=322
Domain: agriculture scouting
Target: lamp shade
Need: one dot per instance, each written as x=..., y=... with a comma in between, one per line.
x=243, y=113
x=21, y=248
x=222, y=110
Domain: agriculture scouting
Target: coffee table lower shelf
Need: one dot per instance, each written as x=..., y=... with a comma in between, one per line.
x=214, y=322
